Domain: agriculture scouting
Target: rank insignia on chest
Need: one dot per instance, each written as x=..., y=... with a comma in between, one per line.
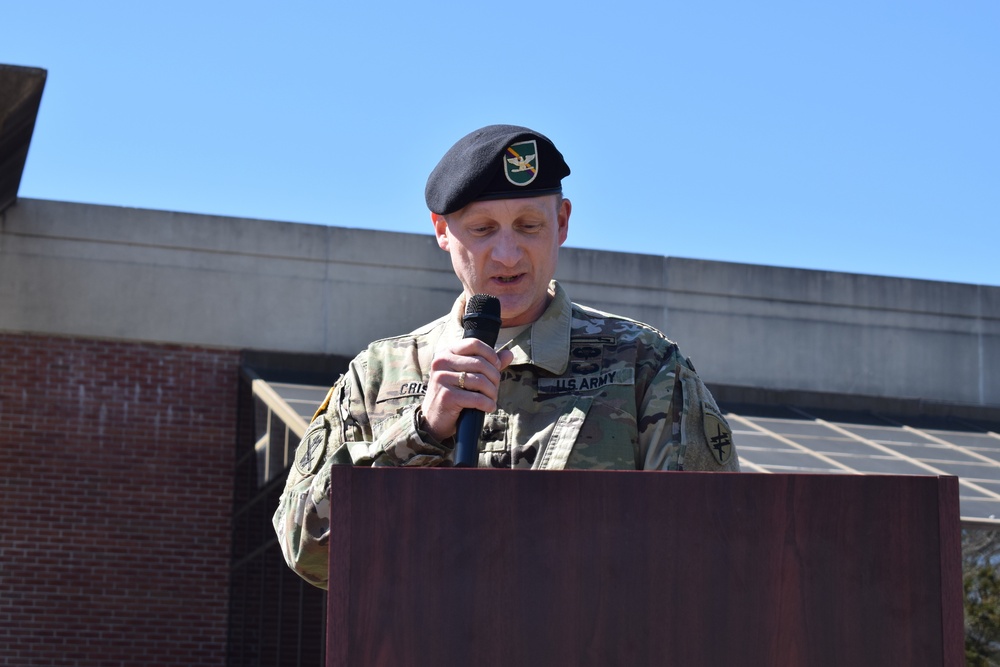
x=720, y=438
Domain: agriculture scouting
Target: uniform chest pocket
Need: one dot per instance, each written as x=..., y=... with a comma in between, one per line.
x=556, y=449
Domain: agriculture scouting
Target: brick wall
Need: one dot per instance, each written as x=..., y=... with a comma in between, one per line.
x=116, y=469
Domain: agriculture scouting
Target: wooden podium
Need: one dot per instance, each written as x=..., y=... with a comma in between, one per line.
x=432, y=567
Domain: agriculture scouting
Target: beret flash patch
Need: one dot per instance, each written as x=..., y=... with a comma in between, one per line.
x=720, y=438
x=521, y=162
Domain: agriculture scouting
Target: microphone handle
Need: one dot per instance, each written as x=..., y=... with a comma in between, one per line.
x=470, y=425
x=482, y=321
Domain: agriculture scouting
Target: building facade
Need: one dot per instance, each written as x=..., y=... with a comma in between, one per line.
x=157, y=368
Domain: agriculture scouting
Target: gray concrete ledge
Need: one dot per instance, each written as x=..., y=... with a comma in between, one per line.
x=160, y=276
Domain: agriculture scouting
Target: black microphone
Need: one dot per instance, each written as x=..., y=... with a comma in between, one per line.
x=482, y=321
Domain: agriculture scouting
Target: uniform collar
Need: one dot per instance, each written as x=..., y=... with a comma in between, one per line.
x=545, y=343
x=549, y=335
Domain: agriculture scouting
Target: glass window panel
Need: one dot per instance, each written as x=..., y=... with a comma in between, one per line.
x=790, y=461
x=881, y=465
x=754, y=439
x=881, y=434
x=931, y=451
x=971, y=440
x=276, y=453
x=792, y=427
x=844, y=446
x=988, y=453
x=261, y=422
x=962, y=469
x=992, y=485
x=980, y=508
x=262, y=448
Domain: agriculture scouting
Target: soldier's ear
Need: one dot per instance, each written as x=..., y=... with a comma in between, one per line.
x=440, y=230
x=562, y=215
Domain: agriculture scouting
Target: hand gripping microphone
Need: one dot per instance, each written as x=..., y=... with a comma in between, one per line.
x=482, y=321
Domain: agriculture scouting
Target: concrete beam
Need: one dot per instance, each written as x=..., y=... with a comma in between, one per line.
x=107, y=272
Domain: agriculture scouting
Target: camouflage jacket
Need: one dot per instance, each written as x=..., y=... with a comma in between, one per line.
x=585, y=390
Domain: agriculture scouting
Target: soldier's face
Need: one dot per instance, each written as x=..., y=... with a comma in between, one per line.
x=507, y=248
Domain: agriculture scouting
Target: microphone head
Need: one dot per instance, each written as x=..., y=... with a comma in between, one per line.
x=482, y=318
x=483, y=304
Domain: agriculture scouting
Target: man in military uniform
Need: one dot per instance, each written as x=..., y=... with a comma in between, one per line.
x=568, y=387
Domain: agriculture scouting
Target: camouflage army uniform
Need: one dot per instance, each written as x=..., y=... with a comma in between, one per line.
x=585, y=390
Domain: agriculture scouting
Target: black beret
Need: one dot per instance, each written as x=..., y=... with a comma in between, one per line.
x=495, y=162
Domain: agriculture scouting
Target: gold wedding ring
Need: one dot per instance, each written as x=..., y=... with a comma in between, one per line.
x=461, y=380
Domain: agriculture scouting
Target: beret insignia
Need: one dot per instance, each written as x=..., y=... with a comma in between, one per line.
x=521, y=162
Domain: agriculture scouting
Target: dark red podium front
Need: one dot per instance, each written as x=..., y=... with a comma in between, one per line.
x=514, y=568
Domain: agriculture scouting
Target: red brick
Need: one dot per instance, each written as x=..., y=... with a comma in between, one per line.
x=116, y=463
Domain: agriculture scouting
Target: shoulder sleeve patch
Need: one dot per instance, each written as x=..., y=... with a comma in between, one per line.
x=720, y=437
x=309, y=453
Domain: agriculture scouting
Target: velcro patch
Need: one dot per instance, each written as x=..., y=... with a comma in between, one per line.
x=592, y=340
x=401, y=389
x=590, y=382
x=309, y=453
x=720, y=438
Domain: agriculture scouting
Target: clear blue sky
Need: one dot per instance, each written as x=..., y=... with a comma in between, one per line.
x=849, y=136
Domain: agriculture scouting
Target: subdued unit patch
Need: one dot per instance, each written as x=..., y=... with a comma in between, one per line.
x=720, y=437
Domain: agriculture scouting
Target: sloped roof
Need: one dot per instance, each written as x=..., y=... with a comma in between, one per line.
x=20, y=96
